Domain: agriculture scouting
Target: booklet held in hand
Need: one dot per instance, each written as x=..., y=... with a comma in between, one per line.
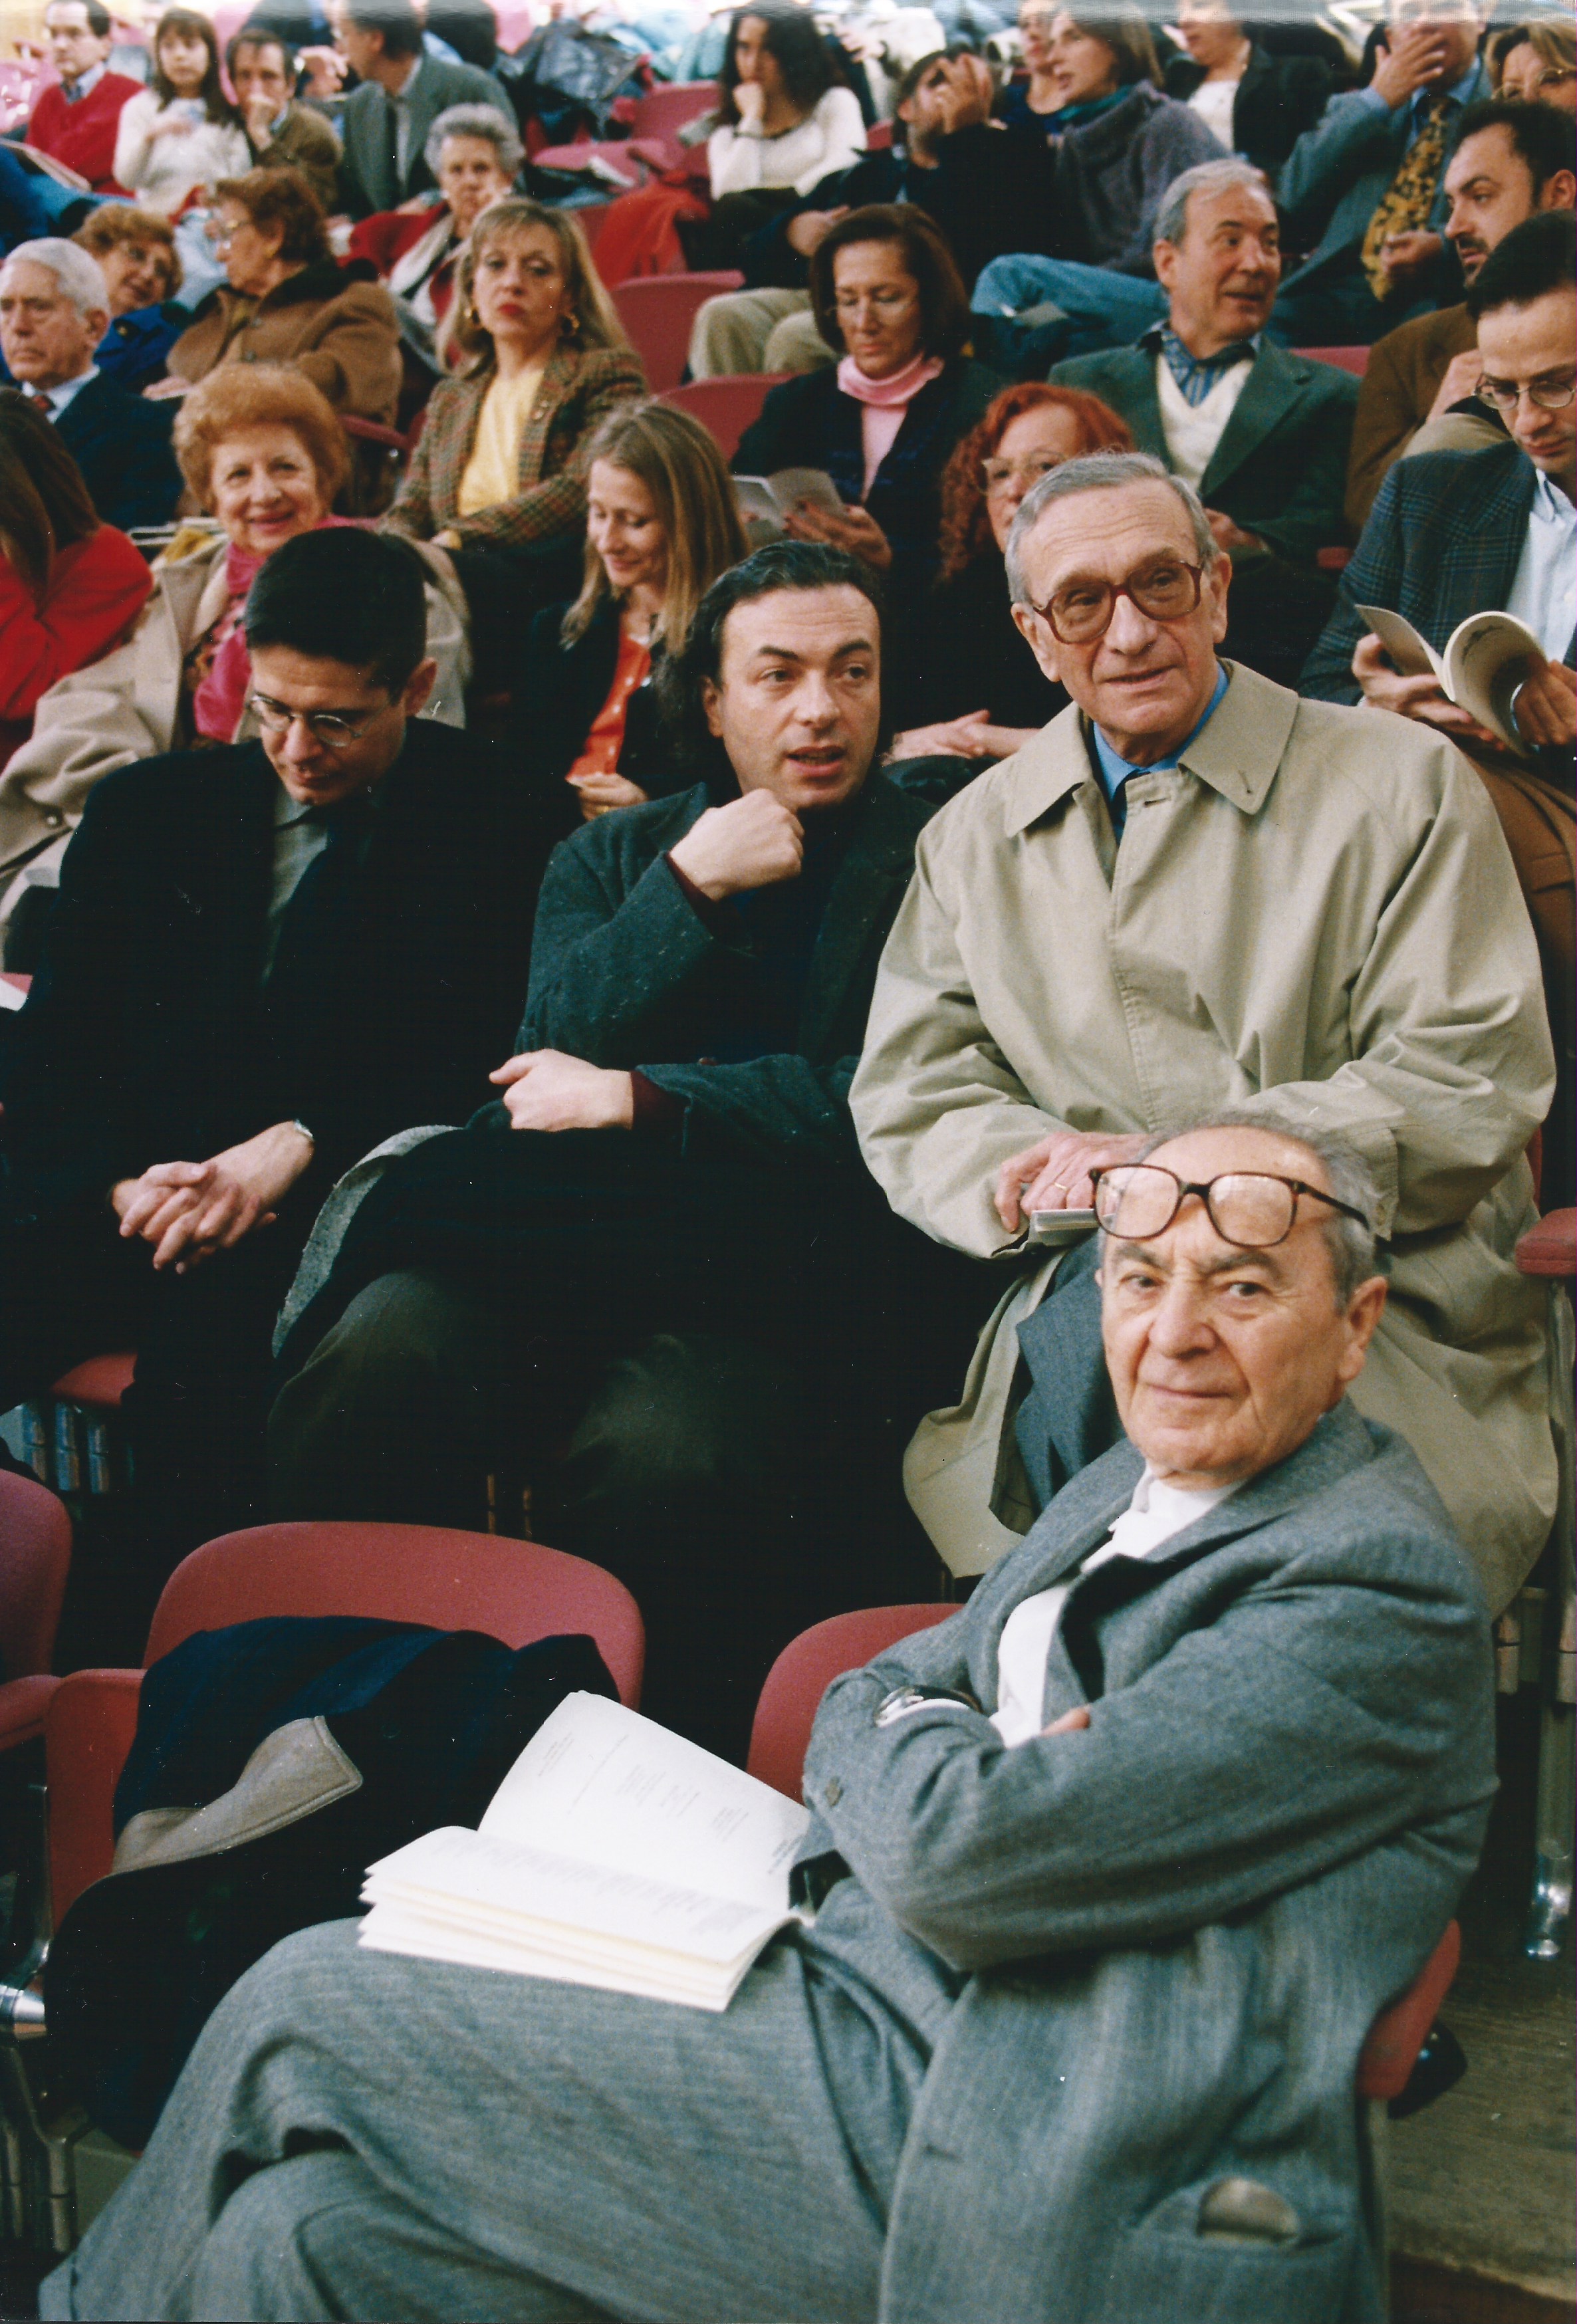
x=613, y=1853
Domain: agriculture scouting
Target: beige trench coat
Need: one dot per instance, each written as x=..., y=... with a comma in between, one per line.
x=1315, y=917
x=127, y=706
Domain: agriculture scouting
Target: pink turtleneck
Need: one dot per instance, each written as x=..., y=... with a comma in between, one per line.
x=886, y=401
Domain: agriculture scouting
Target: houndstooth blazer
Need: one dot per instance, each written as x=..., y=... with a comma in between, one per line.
x=579, y=387
x=1442, y=541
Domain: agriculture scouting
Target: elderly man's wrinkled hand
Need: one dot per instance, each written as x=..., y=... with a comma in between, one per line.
x=1546, y=704
x=544, y=1089
x=1053, y=1173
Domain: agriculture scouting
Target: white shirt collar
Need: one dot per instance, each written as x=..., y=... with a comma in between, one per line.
x=60, y=397
x=1550, y=504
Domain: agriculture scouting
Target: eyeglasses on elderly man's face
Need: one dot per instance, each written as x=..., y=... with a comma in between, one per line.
x=1253, y=1210
x=1079, y=612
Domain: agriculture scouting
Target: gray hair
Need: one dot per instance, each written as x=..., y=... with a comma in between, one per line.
x=1351, y=1246
x=484, y=121
x=77, y=272
x=1100, y=472
x=1205, y=178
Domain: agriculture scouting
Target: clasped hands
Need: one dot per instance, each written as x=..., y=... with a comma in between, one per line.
x=188, y=1210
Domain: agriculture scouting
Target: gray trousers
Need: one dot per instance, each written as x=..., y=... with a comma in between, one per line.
x=361, y=2136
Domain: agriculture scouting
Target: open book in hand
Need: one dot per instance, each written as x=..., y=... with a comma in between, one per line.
x=613, y=1853
x=1486, y=659
x=765, y=501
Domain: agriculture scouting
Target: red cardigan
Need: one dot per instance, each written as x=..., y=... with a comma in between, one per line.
x=96, y=589
x=82, y=135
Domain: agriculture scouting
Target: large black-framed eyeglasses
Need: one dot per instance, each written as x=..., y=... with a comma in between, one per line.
x=1081, y=612
x=1253, y=1210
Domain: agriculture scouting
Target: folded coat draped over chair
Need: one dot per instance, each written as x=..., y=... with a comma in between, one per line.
x=275, y=1760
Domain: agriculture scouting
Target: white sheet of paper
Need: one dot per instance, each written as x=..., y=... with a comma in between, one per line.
x=599, y=1783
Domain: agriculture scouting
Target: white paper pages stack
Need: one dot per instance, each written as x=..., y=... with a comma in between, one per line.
x=613, y=1853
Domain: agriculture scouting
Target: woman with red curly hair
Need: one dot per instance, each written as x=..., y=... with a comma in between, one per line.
x=976, y=692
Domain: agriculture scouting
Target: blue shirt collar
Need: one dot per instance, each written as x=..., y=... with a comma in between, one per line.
x=85, y=87
x=1114, y=770
x=1457, y=93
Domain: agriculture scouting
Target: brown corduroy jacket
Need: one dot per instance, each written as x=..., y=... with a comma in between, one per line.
x=1405, y=369
x=342, y=334
x=580, y=386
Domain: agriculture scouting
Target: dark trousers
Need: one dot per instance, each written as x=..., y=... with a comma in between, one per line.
x=70, y=1287
x=1339, y=309
x=1275, y=612
x=714, y=1409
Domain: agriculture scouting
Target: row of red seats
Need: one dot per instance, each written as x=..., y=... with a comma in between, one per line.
x=511, y=1591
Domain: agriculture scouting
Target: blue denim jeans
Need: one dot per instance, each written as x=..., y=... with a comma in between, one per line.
x=1099, y=307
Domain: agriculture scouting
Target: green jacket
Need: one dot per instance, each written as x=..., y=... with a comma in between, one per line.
x=1280, y=469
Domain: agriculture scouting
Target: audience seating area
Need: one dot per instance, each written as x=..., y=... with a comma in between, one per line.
x=66, y=1733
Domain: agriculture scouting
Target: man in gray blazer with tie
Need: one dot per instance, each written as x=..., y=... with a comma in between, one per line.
x=1112, y=1873
x=403, y=92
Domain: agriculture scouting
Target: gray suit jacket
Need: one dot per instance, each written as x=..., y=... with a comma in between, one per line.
x=368, y=175
x=1170, y=1933
x=1340, y=169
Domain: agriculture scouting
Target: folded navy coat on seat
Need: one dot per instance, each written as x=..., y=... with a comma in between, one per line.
x=274, y=1762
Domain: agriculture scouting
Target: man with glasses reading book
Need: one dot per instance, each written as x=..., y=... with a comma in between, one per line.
x=266, y=957
x=1195, y=889
x=1454, y=533
x=1111, y=1875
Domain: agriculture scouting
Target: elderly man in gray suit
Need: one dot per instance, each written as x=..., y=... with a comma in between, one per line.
x=1112, y=1872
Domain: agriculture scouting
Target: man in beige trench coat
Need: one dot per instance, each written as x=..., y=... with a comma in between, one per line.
x=1194, y=890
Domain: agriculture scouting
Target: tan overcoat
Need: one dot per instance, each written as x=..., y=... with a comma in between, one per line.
x=1316, y=918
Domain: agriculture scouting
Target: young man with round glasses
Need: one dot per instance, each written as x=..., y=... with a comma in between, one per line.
x=266, y=957
x=1193, y=890
x=1454, y=533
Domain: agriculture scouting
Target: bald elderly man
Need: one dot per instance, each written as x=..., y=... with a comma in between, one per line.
x=1112, y=1873
x=1192, y=889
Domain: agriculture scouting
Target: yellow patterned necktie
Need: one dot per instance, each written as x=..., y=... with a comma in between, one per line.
x=1406, y=206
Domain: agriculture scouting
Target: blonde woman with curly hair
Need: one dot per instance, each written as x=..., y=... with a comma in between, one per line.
x=501, y=463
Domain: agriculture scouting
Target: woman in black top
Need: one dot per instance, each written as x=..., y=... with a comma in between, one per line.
x=661, y=525
x=883, y=421
x=974, y=691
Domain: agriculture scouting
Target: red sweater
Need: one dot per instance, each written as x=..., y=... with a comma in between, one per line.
x=82, y=135
x=96, y=588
